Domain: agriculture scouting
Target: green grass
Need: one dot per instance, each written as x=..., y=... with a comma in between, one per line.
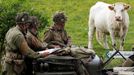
x=114, y=63
x=77, y=24
x=78, y=12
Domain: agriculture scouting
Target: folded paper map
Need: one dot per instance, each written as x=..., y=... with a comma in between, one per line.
x=49, y=50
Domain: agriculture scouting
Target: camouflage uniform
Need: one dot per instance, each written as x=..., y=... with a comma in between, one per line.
x=16, y=49
x=55, y=35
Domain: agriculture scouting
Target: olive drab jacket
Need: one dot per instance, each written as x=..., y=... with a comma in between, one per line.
x=16, y=49
x=34, y=42
x=59, y=36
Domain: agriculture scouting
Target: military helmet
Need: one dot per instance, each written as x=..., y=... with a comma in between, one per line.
x=34, y=21
x=59, y=17
x=23, y=18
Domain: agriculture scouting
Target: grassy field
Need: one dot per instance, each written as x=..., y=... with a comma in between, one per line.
x=77, y=24
x=77, y=12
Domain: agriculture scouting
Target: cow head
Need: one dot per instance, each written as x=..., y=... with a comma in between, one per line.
x=119, y=9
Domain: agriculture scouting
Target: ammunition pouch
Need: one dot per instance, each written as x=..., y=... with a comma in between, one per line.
x=16, y=60
x=19, y=66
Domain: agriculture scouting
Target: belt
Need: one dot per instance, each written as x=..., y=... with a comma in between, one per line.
x=13, y=55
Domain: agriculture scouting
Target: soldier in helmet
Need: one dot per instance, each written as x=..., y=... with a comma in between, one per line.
x=33, y=42
x=57, y=36
x=16, y=47
x=32, y=38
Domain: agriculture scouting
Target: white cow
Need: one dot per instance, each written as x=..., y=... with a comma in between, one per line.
x=108, y=19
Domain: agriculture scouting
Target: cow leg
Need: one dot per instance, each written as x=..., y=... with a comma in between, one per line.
x=113, y=39
x=122, y=38
x=105, y=42
x=102, y=39
x=91, y=34
x=121, y=43
x=99, y=37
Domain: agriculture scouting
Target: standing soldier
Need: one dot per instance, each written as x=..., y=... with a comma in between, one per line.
x=16, y=47
x=33, y=42
x=57, y=35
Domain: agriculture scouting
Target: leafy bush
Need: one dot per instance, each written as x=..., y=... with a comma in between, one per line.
x=8, y=11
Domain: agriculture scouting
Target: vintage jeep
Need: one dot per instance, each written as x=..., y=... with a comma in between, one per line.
x=64, y=65
x=55, y=65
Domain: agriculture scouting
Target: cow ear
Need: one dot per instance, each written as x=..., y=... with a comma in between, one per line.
x=111, y=7
x=126, y=7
